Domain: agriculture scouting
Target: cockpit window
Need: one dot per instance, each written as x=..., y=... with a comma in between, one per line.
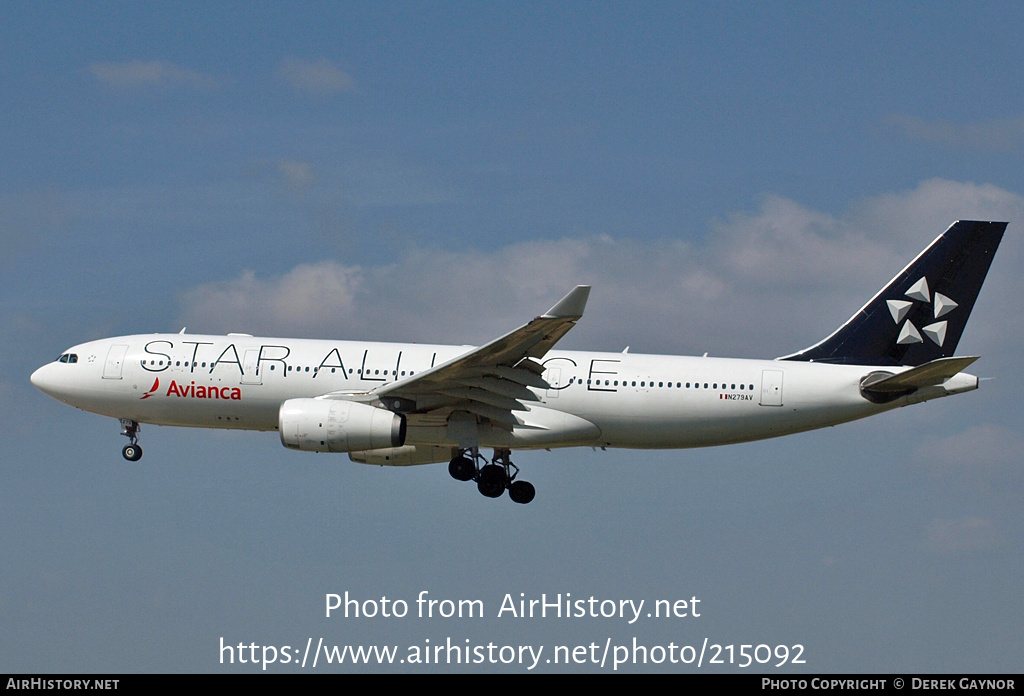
x=68, y=358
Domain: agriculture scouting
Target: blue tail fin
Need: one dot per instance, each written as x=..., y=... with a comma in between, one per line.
x=919, y=316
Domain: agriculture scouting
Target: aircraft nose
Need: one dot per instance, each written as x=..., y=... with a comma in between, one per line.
x=44, y=380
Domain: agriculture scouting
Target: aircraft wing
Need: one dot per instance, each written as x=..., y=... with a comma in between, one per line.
x=490, y=381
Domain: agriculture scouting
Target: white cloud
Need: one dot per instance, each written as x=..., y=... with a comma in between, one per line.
x=156, y=73
x=992, y=134
x=961, y=535
x=319, y=78
x=296, y=174
x=930, y=207
x=429, y=296
x=368, y=183
x=980, y=447
x=767, y=283
x=763, y=248
x=313, y=295
x=979, y=465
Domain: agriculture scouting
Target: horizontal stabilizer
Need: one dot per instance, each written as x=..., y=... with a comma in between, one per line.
x=929, y=374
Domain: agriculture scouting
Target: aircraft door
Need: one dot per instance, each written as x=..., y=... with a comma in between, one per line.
x=250, y=367
x=771, y=387
x=553, y=376
x=115, y=362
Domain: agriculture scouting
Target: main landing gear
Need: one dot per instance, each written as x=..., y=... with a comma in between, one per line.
x=491, y=479
x=130, y=429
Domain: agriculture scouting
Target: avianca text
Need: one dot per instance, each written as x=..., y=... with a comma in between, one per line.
x=199, y=391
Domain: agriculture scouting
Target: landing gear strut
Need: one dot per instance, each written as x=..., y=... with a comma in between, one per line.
x=494, y=478
x=130, y=429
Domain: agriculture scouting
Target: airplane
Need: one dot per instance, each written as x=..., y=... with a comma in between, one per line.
x=401, y=404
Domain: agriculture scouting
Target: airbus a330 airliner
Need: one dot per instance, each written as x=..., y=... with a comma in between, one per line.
x=400, y=404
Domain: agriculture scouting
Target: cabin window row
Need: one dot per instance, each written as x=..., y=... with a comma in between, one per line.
x=351, y=371
x=665, y=385
x=273, y=367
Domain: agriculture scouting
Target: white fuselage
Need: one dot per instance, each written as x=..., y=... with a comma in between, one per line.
x=595, y=399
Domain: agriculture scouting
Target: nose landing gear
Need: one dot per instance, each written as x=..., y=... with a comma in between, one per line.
x=130, y=429
x=491, y=479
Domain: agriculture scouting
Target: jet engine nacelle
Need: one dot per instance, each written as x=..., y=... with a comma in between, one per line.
x=333, y=425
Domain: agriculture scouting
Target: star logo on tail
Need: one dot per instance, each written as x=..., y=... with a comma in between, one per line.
x=941, y=306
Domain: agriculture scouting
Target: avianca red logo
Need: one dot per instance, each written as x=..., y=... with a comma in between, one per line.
x=193, y=391
x=152, y=390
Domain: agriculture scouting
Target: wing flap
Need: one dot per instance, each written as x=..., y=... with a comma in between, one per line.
x=494, y=414
x=486, y=397
x=502, y=387
x=524, y=377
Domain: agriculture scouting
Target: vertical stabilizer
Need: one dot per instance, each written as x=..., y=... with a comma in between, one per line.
x=919, y=316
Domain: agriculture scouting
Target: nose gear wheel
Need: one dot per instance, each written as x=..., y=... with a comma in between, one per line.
x=130, y=429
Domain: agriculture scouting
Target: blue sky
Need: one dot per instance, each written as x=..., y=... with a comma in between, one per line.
x=733, y=178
